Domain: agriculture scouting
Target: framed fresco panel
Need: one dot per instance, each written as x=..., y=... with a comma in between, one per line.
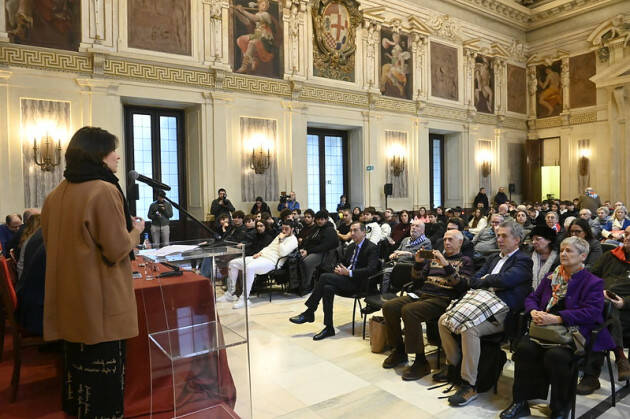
x=444, y=72
x=396, y=79
x=50, y=24
x=159, y=25
x=582, y=91
x=484, y=84
x=516, y=89
x=257, y=36
x=549, y=90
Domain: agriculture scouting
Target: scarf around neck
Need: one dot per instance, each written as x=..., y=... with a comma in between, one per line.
x=559, y=285
x=85, y=171
x=541, y=269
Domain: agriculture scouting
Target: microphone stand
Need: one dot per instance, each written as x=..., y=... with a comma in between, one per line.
x=192, y=217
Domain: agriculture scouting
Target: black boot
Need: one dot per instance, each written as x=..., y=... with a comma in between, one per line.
x=516, y=410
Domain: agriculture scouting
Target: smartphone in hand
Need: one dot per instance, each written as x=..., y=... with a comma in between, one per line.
x=611, y=295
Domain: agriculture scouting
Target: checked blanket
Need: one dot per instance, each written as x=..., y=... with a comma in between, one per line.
x=475, y=307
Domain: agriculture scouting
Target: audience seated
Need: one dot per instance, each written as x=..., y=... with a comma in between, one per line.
x=31, y=226
x=314, y=247
x=359, y=262
x=308, y=225
x=374, y=232
x=522, y=218
x=587, y=216
x=31, y=284
x=485, y=242
x=406, y=251
x=614, y=268
x=572, y=296
x=458, y=224
x=260, y=239
x=260, y=206
x=437, y=281
x=602, y=219
x=614, y=229
x=12, y=225
x=478, y=221
x=552, y=221
x=435, y=228
x=544, y=257
x=259, y=263
x=343, y=228
x=581, y=228
x=509, y=276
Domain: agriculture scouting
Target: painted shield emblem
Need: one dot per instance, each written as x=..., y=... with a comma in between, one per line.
x=336, y=24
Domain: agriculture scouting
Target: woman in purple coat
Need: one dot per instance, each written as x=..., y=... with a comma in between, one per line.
x=572, y=296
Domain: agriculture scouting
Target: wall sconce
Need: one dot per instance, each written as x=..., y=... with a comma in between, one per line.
x=485, y=161
x=261, y=154
x=584, y=161
x=397, y=159
x=47, y=155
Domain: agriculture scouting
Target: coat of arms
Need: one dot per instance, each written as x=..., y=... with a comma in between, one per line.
x=335, y=23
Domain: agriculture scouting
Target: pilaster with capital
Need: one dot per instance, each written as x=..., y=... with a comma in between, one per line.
x=371, y=42
x=469, y=71
x=215, y=29
x=532, y=86
x=420, y=70
x=500, y=86
x=99, y=30
x=4, y=36
x=295, y=20
x=565, y=84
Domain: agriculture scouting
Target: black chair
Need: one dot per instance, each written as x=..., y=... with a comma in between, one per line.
x=280, y=275
x=581, y=359
x=369, y=286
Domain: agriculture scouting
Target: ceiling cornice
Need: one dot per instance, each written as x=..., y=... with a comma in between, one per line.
x=525, y=18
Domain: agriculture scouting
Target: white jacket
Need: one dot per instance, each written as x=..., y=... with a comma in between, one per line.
x=374, y=232
x=277, y=249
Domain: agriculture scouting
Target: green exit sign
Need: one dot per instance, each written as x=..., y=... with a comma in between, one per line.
x=369, y=168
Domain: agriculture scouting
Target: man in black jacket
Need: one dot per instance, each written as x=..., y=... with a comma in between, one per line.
x=481, y=198
x=360, y=261
x=221, y=205
x=314, y=248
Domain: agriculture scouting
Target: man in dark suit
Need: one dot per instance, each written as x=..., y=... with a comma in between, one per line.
x=360, y=261
x=509, y=276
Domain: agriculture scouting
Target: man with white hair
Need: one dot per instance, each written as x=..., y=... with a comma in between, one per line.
x=486, y=241
x=438, y=281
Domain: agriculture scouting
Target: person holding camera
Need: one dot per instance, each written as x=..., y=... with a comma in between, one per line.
x=288, y=202
x=160, y=212
x=221, y=205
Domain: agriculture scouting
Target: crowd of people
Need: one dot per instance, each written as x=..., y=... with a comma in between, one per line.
x=472, y=272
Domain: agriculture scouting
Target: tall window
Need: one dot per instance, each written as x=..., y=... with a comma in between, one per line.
x=326, y=171
x=155, y=148
x=436, y=162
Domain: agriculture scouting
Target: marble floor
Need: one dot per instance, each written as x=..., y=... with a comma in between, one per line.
x=293, y=376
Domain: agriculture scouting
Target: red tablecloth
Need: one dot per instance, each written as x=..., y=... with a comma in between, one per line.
x=169, y=303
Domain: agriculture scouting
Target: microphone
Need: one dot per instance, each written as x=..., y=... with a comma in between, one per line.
x=151, y=182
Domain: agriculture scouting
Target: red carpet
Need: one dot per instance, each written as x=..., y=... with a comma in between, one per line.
x=39, y=392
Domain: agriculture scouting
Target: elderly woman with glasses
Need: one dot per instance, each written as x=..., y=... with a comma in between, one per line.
x=570, y=296
x=581, y=228
x=613, y=230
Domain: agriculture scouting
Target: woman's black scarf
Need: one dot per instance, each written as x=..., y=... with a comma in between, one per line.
x=84, y=171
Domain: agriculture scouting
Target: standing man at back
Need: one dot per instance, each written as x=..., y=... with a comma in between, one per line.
x=221, y=205
x=160, y=213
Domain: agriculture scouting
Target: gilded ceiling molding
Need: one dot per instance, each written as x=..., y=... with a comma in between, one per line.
x=157, y=73
x=257, y=85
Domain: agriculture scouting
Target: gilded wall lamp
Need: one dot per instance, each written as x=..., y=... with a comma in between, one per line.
x=397, y=159
x=584, y=161
x=47, y=154
x=485, y=161
x=260, y=154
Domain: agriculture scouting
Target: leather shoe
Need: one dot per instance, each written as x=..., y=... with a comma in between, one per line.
x=306, y=317
x=395, y=358
x=588, y=384
x=516, y=410
x=416, y=371
x=326, y=332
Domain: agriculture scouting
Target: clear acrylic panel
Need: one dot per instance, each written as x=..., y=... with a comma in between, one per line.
x=198, y=348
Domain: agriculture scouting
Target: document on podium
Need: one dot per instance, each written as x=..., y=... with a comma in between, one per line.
x=167, y=250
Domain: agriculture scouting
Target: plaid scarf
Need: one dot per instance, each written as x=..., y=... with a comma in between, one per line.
x=559, y=285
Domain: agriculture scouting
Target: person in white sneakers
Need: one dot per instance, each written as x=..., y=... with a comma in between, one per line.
x=259, y=263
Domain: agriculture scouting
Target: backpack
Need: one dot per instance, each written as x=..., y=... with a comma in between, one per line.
x=289, y=273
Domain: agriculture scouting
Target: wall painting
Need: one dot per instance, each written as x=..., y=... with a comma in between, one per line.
x=444, y=72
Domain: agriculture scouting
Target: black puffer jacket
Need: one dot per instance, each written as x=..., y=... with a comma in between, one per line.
x=322, y=239
x=258, y=243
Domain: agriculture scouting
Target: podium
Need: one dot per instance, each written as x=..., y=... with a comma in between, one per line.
x=198, y=349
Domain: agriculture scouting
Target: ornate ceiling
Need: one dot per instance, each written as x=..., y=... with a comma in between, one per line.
x=532, y=14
